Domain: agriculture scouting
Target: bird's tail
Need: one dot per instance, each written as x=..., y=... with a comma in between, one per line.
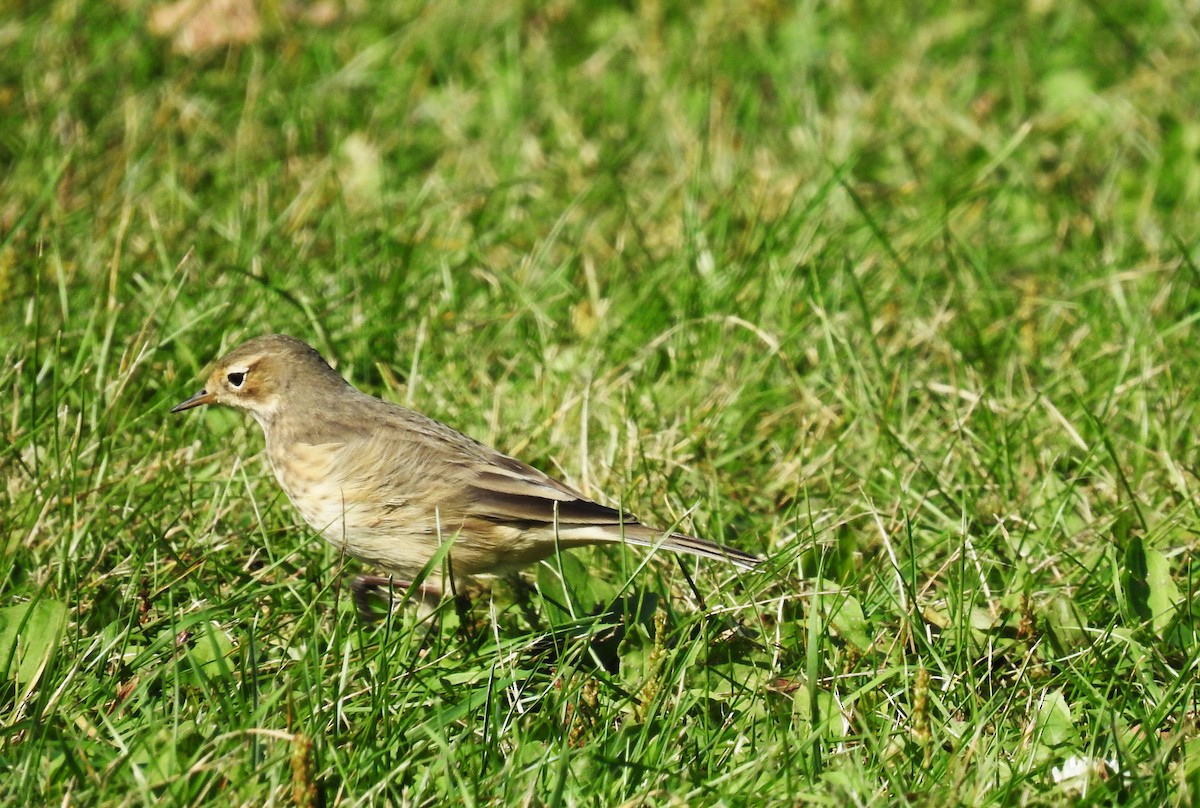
x=682, y=543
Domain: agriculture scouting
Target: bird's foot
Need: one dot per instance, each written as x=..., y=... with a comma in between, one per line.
x=370, y=590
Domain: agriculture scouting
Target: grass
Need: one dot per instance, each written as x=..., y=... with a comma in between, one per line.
x=903, y=299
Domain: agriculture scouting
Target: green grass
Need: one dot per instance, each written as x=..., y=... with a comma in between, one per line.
x=903, y=299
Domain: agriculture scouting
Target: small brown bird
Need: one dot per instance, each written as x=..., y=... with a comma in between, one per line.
x=388, y=485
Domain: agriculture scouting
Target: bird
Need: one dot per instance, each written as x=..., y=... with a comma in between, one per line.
x=389, y=486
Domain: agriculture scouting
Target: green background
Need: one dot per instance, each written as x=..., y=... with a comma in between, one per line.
x=901, y=296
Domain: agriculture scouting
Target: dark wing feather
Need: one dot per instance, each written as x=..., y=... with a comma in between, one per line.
x=499, y=488
x=535, y=507
x=526, y=481
x=505, y=489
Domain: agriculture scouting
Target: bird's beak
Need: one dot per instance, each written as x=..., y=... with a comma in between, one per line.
x=203, y=397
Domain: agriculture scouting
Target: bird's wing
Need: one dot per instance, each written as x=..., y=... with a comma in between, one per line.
x=422, y=459
x=500, y=488
x=421, y=466
x=509, y=490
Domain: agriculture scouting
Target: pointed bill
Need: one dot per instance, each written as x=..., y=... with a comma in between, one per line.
x=203, y=397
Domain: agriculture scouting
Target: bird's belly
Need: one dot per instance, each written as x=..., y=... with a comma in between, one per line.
x=398, y=534
x=325, y=509
x=393, y=536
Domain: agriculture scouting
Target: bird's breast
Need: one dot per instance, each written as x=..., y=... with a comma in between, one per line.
x=307, y=474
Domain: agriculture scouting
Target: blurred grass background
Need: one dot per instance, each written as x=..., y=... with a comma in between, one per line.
x=900, y=296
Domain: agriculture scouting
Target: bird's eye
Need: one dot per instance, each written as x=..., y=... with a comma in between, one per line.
x=237, y=378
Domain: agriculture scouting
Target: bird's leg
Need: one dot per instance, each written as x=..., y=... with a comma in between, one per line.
x=524, y=590
x=464, y=590
x=365, y=589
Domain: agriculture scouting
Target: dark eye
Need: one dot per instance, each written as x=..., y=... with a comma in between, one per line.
x=237, y=378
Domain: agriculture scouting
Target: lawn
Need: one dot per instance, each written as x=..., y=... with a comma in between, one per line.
x=901, y=297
